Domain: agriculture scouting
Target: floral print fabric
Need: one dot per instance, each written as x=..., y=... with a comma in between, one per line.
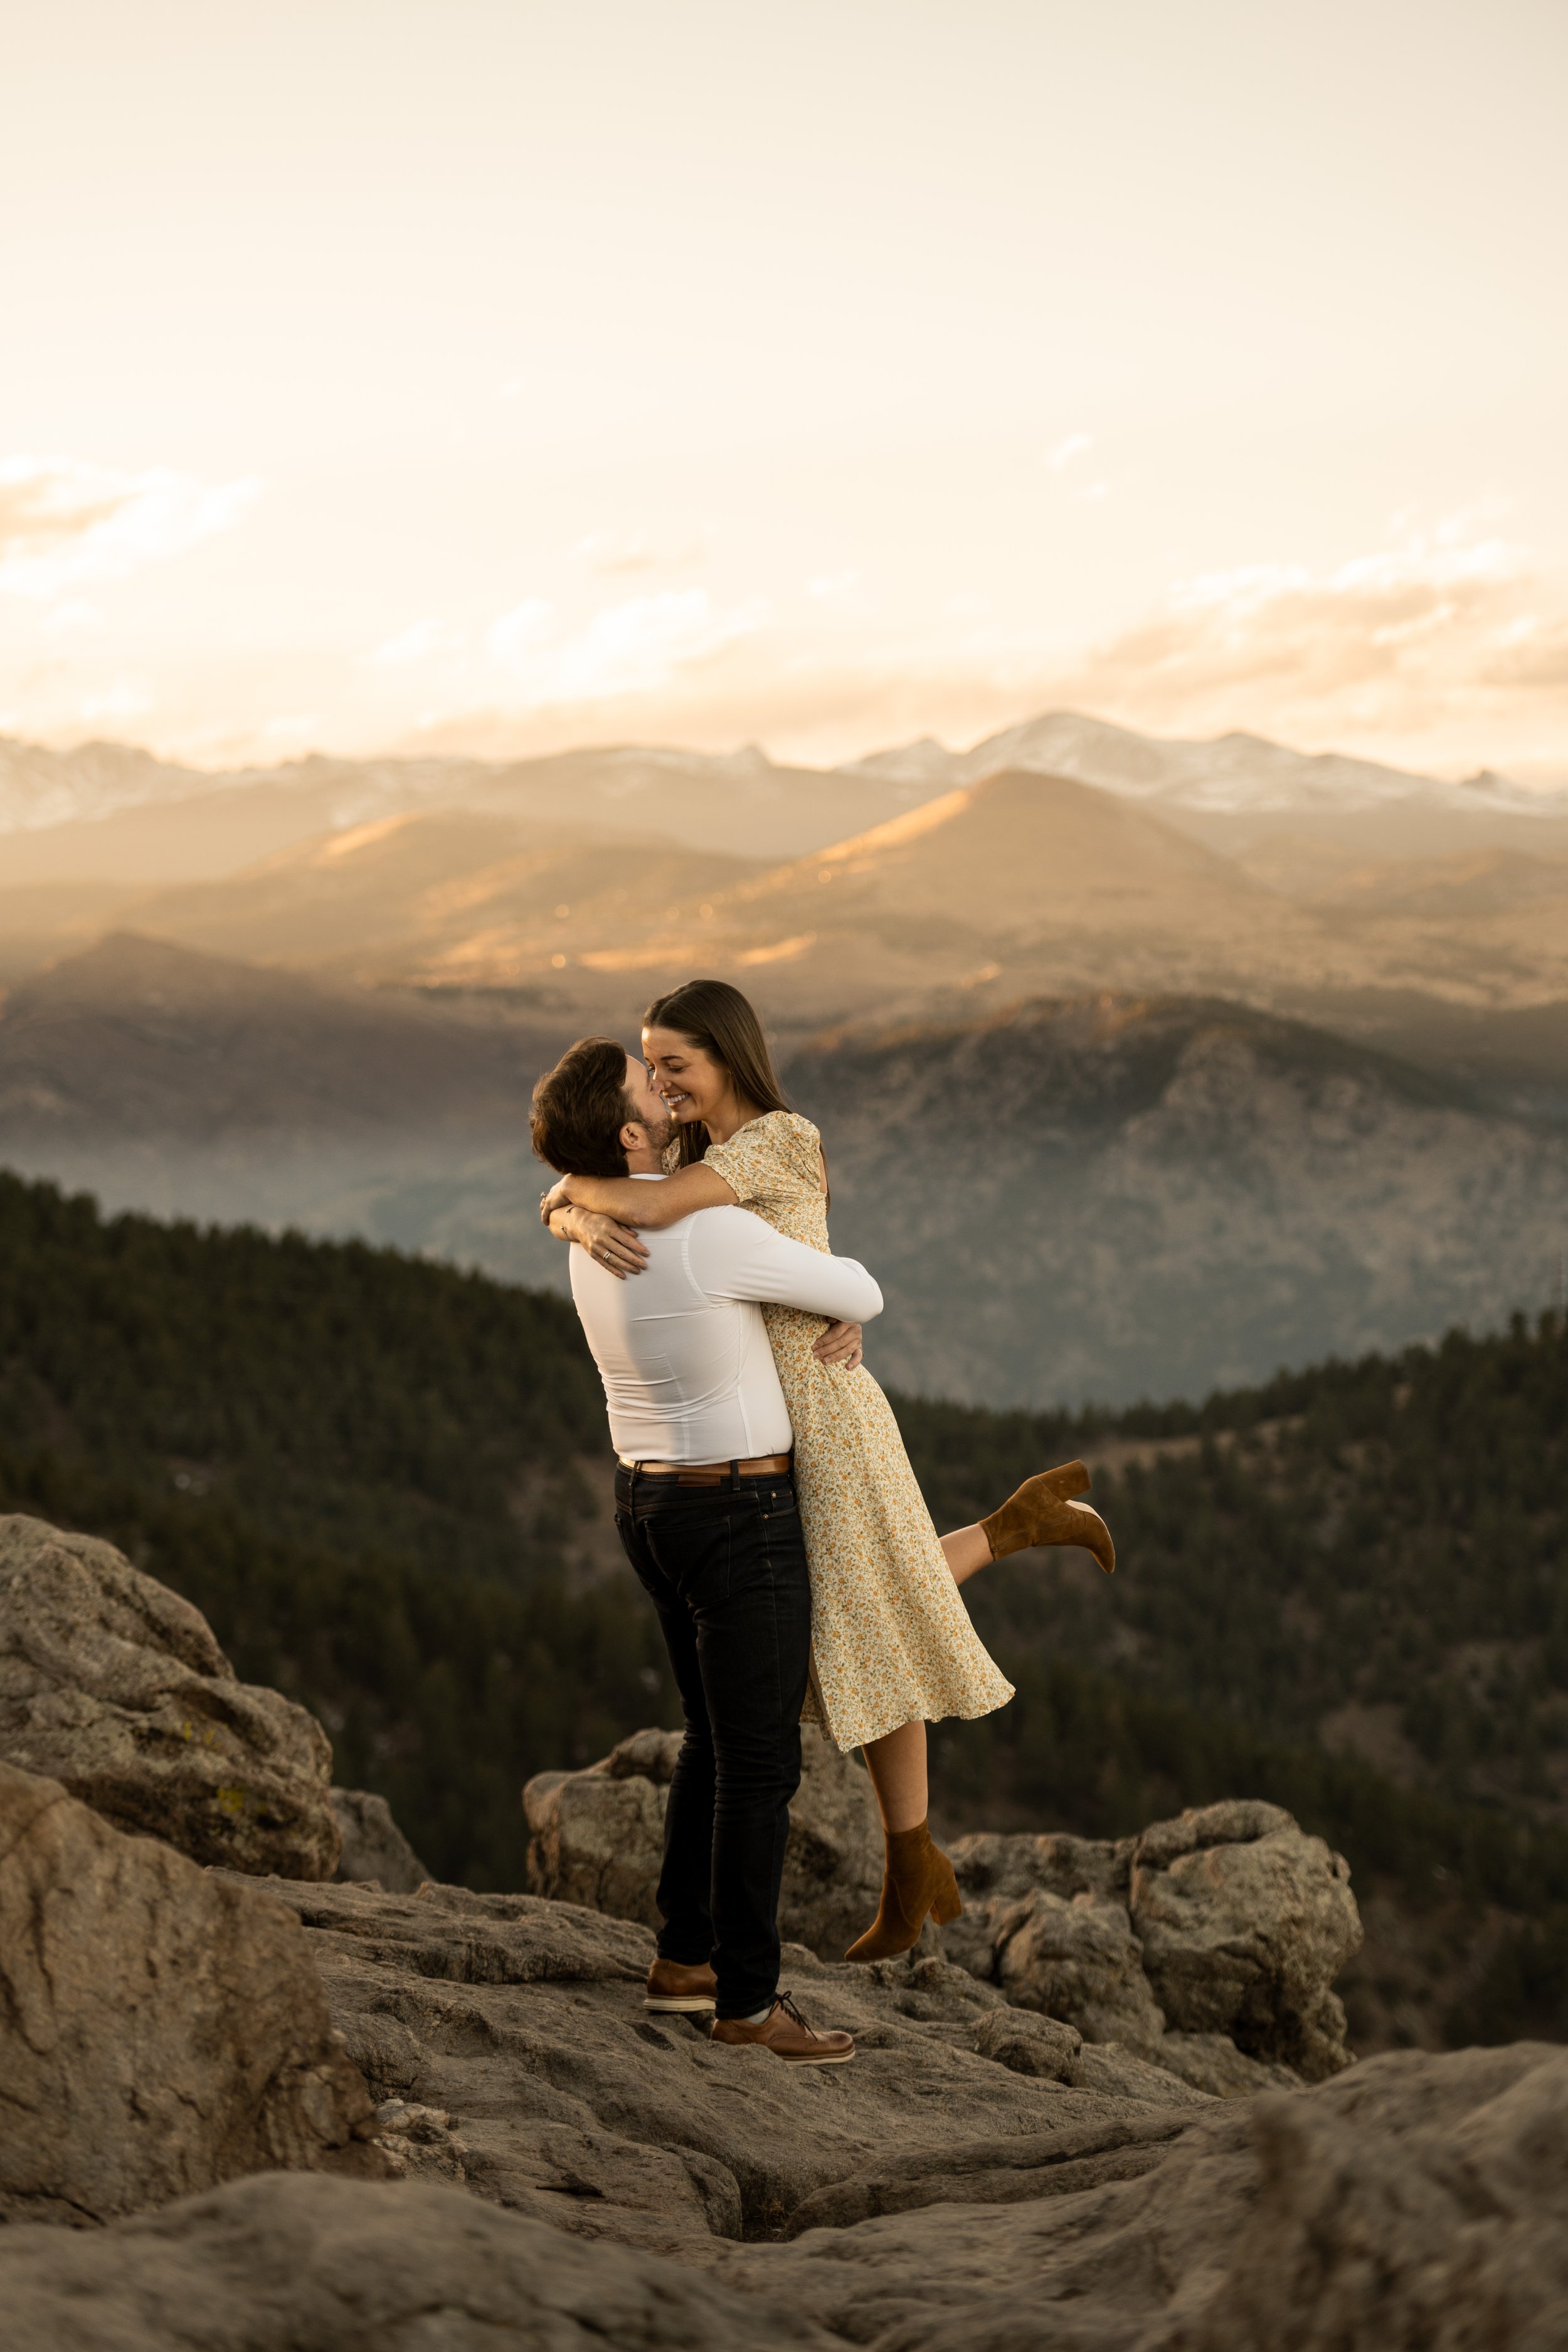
x=891, y=1640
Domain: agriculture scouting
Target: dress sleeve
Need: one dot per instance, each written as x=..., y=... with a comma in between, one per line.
x=769, y=1161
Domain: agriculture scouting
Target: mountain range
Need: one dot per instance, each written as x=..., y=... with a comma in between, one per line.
x=1022, y=883
x=1251, y=1055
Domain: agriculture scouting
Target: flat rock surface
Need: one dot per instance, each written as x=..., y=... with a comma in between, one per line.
x=277, y=2265
x=520, y=2020
x=1418, y=2201
x=116, y=1688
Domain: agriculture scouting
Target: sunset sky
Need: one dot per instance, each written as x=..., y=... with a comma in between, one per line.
x=382, y=373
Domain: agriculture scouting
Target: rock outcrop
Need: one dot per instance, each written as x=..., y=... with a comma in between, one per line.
x=1209, y=1945
x=375, y=1849
x=597, y=1837
x=162, y=2028
x=1245, y=1924
x=1225, y=1927
x=1080, y=1962
x=114, y=1686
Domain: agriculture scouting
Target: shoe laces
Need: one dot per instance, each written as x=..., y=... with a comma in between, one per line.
x=786, y=2001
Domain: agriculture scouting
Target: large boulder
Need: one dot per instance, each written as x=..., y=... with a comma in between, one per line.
x=998, y=1870
x=161, y=2029
x=1080, y=1962
x=374, y=1850
x=1225, y=1928
x=597, y=1838
x=1245, y=1922
x=114, y=1686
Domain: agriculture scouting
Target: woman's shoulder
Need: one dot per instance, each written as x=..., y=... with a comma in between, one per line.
x=779, y=1148
x=786, y=1130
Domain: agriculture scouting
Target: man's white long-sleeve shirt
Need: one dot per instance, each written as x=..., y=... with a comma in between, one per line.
x=682, y=1348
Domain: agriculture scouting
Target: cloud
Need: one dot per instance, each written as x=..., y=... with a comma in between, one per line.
x=631, y=648
x=63, y=521
x=1074, y=446
x=1401, y=639
x=510, y=640
x=413, y=643
x=609, y=554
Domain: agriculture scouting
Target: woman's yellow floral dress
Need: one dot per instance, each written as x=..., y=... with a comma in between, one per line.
x=891, y=1641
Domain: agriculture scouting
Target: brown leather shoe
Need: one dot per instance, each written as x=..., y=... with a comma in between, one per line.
x=1043, y=1512
x=785, y=2032
x=672, y=1986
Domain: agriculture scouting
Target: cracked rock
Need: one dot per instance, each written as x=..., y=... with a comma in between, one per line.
x=115, y=1687
x=162, y=2028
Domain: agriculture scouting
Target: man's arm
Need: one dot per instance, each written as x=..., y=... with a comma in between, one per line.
x=733, y=1254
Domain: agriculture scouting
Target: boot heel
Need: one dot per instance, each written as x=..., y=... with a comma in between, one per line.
x=1068, y=1479
x=947, y=1905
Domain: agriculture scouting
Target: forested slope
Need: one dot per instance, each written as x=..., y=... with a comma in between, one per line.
x=1346, y=1591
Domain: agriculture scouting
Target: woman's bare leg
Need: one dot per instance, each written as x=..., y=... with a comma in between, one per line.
x=897, y=1763
x=967, y=1549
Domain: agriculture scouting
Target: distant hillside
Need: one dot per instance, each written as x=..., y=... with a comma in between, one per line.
x=193, y=1086
x=1102, y=1197
x=451, y=898
x=387, y=1486
x=1116, y=1197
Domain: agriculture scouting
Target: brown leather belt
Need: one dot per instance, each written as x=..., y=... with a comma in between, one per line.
x=712, y=1474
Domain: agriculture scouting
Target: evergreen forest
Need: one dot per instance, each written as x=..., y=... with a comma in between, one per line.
x=1346, y=1591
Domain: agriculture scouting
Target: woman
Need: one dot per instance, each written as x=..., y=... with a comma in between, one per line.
x=892, y=1646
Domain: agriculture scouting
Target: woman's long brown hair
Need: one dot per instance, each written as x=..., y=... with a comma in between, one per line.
x=724, y=1023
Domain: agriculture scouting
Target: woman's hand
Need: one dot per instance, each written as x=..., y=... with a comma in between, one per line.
x=839, y=1344
x=614, y=1248
x=558, y=1197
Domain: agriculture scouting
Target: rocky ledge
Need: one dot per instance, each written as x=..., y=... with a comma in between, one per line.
x=1208, y=1945
x=283, y=2115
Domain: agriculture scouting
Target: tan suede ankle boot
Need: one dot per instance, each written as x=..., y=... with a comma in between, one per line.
x=916, y=1880
x=1042, y=1512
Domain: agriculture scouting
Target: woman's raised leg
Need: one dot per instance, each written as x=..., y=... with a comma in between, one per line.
x=1041, y=1512
x=967, y=1549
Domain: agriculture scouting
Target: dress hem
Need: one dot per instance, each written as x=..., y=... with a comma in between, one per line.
x=943, y=1715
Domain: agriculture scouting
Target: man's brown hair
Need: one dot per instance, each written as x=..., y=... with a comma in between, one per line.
x=580, y=1107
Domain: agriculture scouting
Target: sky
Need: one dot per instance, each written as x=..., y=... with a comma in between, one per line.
x=380, y=375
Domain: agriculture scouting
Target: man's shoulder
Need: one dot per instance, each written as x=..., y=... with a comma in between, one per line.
x=712, y=1227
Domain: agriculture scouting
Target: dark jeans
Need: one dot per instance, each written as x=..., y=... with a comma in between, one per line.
x=725, y=1568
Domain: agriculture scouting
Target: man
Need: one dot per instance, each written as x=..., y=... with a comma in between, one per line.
x=705, y=1506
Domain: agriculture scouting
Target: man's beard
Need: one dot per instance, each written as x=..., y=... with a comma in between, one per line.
x=663, y=1134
